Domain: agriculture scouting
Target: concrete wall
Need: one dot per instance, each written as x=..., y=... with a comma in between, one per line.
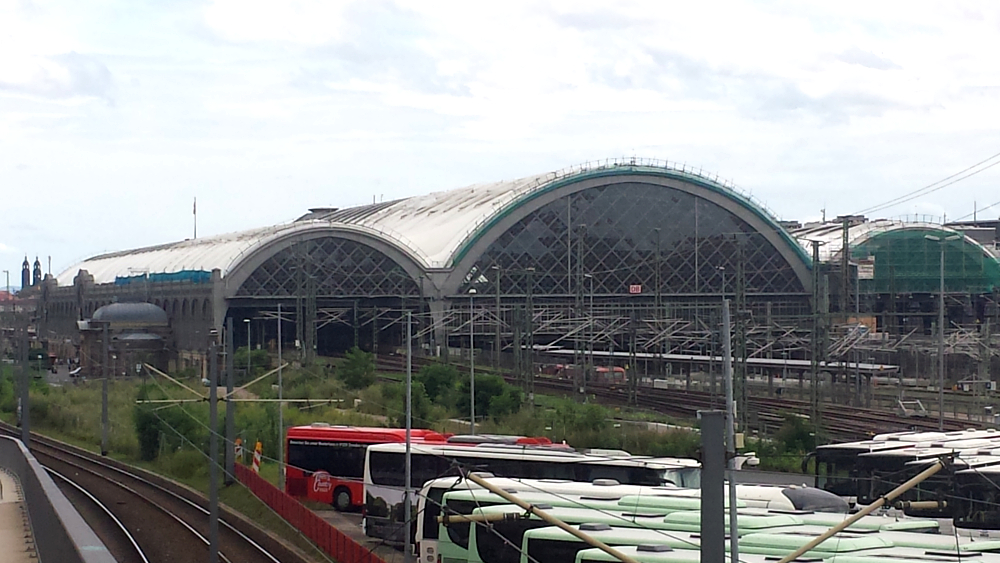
x=61, y=535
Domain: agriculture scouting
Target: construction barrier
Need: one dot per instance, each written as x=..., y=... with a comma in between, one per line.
x=256, y=456
x=332, y=541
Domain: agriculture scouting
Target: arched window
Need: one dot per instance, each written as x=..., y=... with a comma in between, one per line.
x=338, y=267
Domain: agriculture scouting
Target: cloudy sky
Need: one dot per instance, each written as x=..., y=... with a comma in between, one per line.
x=115, y=114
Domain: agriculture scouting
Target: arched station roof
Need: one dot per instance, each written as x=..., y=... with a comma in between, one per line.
x=428, y=232
x=905, y=260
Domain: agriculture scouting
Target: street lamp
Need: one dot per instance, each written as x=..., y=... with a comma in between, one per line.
x=247, y=322
x=472, y=366
x=941, y=240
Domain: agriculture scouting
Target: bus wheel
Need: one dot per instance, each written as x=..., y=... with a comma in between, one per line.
x=342, y=499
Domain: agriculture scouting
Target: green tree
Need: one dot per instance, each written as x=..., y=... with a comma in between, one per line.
x=394, y=395
x=147, y=431
x=438, y=379
x=509, y=402
x=260, y=360
x=796, y=435
x=147, y=428
x=358, y=369
x=494, y=397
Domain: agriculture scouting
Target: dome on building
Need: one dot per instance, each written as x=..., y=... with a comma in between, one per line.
x=131, y=315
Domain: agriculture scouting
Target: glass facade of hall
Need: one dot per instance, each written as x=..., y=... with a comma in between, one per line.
x=610, y=233
x=329, y=267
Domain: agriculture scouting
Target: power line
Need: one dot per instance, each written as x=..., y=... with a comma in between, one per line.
x=966, y=216
x=933, y=187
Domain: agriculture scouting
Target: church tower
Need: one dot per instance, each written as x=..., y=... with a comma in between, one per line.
x=25, y=274
x=37, y=275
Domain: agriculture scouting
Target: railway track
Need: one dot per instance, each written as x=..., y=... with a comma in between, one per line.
x=146, y=519
x=839, y=422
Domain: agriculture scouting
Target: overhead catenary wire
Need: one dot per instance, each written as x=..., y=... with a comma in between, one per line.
x=935, y=186
x=979, y=210
x=206, y=456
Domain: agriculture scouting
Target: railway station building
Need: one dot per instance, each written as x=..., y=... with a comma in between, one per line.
x=621, y=256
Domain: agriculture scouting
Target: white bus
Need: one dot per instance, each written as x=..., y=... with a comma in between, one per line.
x=385, y=463
x=608, y=495
x=601, y=493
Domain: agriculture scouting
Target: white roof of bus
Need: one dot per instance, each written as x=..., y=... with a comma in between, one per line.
x=599, y=487
x=553, y=455
x=896, y=440
x=495, y=450
x=931, y=449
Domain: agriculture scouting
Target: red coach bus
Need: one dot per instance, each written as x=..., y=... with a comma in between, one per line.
x=327, y=463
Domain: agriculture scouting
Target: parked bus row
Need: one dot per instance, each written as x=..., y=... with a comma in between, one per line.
x=967, y=490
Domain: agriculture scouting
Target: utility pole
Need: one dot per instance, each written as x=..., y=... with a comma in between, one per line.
x=713, y=462
x=25, y=385
x=375, y=335
x=633, y=372
x=213, y=450
x=230, y=406
x=580, y=378
x=727, y=381
x=845, y=268
x=104, y=389
x=408, y=471
x=816, y=339
x=281, y=413
x=357, y=336
x=472, y=365
x=941, y=240
x=496, y=337
x=656, y=301
x=740, y=371
x=530, y=372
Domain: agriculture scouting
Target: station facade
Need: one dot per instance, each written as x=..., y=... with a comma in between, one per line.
x=618, y=255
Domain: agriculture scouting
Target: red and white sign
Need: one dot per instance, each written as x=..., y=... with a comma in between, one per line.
x=635, y=288
x=257, y=451
x=321, y=482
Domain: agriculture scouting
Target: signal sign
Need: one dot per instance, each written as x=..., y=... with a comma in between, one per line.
x=635, y=288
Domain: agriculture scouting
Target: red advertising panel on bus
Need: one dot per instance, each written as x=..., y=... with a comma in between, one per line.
x=327, y=463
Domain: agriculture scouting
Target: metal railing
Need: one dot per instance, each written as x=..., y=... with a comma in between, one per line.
x=60, y=533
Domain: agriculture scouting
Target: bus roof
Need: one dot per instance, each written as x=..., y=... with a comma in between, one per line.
x=605, y=487
x=680, y=520
x=483, y=497
x=523, y=452
x=366, y=434
x=753, y=543
x=869, y=522
x=654, y=553
x=494, y=450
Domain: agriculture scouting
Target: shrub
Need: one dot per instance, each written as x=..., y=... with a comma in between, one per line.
x=488, y=387
x=394, y=395
x=185, y=464
x=260, y=361
x=358, y=369
x=147, y=430
x=438, y=380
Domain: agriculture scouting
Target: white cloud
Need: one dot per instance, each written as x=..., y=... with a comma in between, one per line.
x=330, y=102
x=308, y=22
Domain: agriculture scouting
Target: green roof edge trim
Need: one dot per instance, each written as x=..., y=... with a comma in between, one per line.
x=634, y=170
